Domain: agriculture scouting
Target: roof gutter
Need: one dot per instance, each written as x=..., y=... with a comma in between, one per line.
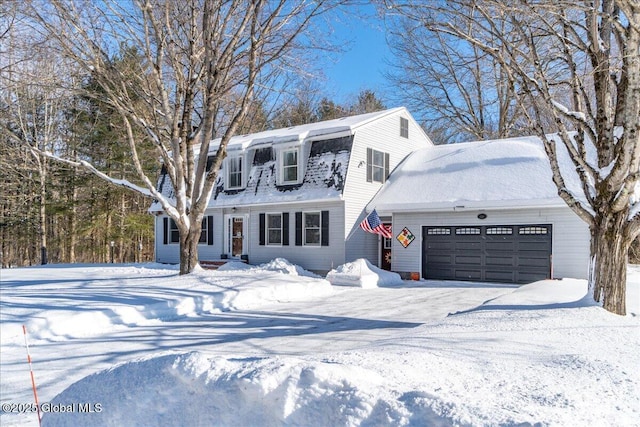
x=463, y=206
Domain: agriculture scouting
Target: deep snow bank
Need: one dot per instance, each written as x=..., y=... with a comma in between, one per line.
x=363, y=274
x=168, y=296
x=194, y=389
x=278, y=265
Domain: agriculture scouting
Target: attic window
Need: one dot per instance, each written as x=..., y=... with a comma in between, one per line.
x=404, y=127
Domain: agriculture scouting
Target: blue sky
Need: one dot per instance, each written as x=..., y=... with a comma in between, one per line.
x=362, y=63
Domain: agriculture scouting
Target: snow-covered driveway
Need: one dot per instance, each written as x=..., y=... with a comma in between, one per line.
x=351, y=318
x=85, y=318
x=274, y=346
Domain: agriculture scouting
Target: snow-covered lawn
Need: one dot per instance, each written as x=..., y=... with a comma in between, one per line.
x=272, y=345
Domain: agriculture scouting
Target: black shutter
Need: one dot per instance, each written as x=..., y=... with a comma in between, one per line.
x=298, y=228
x=386, y=166
x=262, y=229
x=369, y=163
x=324, y=223
x=210, y=230
x=165, y=226
x=285, y=228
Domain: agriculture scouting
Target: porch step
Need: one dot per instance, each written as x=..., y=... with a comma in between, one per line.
x=215, y=264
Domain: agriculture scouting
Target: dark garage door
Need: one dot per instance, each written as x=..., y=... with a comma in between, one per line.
x=510, y=253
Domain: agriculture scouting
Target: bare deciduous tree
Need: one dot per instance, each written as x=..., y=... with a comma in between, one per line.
x=578, y=62
x=202, y=62
x=450, y=83
x=32, y=108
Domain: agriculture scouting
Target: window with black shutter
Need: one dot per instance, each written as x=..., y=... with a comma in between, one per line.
x=209, y=230
x=165, y=229
x=324, y=232
x=285, y=228
x=274, y=229
x=298, y=228
x=262, y=229
x=312, y=228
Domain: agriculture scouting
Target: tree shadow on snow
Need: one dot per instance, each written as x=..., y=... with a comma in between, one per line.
x=449, y=284
x=207, y=331
x=585, y=301
x=228, y=327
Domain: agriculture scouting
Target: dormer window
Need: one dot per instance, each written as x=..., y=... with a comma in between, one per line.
x=234, y=172
x=290, y=166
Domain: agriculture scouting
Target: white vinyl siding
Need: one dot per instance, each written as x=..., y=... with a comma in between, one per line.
x=170, y=253
x=381, y=135
x=317, y=258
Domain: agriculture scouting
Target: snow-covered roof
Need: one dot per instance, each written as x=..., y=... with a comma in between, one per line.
x=297, y=134
x=324, y=177
x=494, y=174
x=324, y=170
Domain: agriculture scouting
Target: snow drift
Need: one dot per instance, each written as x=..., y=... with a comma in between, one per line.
x=363, y=274
x=214, y=391
x=232, y=287
x=278, y=265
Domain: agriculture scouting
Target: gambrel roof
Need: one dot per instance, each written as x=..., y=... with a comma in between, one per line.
x=311, y=131
x=324, y=177
x=325, y=149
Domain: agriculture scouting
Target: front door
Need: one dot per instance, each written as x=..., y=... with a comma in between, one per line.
x=385, y=253
x=236, y=236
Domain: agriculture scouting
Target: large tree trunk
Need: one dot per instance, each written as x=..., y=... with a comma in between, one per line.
x=73, y=221
x=610, y=244
x=189, y=248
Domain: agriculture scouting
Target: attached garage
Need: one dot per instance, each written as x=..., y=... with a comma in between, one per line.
x=484, y=211
x=509, y=253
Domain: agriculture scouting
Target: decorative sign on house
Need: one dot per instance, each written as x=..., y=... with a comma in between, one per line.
x=405, y=237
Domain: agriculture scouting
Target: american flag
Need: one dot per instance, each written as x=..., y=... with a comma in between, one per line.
x=372, y=224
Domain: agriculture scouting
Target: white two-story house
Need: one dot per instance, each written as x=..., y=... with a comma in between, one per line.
x=299, y=193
